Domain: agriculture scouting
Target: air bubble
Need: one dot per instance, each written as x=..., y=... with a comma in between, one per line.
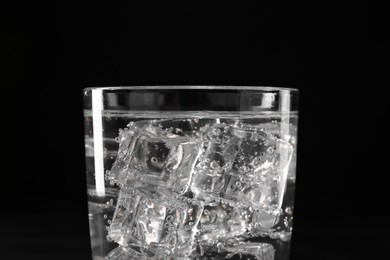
x=259, y=225
x=154, y=160
x=216, y=131
x=214, y=165
x=183, y=189
x=286, y=222
x=213, y=217
x=270, y=149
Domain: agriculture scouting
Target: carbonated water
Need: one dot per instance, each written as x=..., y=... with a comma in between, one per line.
x=192, y=185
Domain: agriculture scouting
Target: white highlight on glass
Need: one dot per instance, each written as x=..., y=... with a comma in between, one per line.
x=268, y=100
x=284, y=108
x=97, y=107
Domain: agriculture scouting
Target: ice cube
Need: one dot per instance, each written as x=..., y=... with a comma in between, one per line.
x=155, y=227
x=220, y=147
x=242, y=164
x=150, y=157
x=259, y=175
x=124, y=216
x=139, y=221
x=242, y=167
x=259, y=171
x=242, y=250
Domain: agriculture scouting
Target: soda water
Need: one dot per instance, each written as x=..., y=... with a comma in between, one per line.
x=192, y=185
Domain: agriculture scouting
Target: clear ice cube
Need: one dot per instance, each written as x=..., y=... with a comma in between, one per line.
x=242, y=164
x=155, y=227
x=139, y=221
x=123, y=219
x=150, y=158
x=262, y=165
x=219, y=149
x=243, y=167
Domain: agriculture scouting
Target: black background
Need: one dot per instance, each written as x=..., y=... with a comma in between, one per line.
x=335, y=53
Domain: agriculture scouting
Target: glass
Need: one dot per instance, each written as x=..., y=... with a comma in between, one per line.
x=190, y=172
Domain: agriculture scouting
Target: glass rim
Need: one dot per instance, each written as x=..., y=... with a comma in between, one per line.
x=194, y=87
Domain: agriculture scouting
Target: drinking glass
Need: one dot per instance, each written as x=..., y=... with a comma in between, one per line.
x=190, y=172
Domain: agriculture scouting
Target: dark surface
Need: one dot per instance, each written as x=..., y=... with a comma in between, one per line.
x=336, y=54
